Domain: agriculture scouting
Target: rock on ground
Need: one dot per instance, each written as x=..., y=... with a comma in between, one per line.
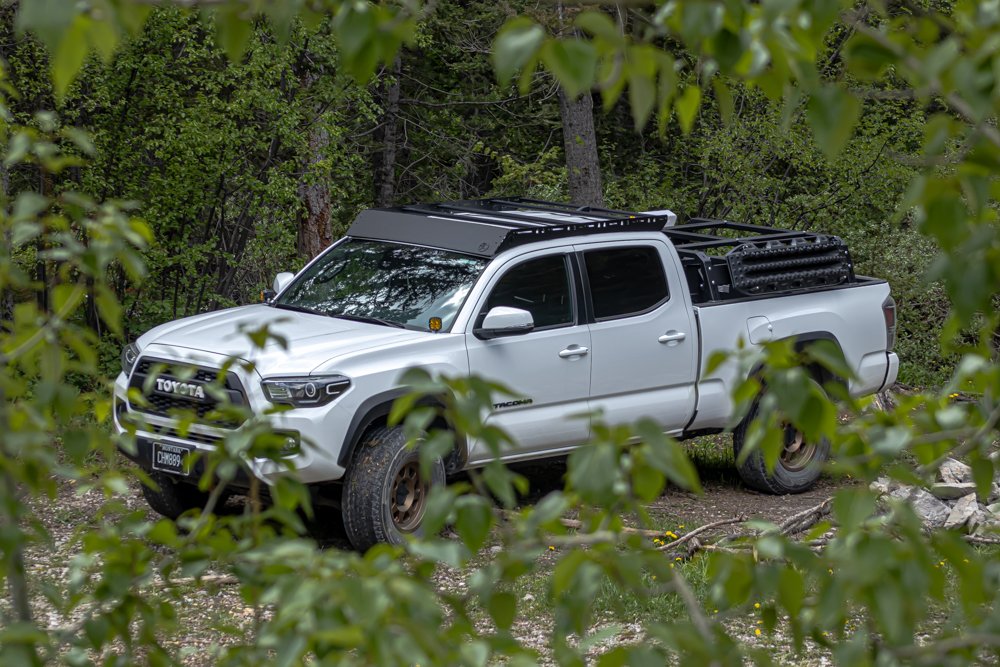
x=955, y=472
x=962, y=511
x=931, y=511
x=950, y=490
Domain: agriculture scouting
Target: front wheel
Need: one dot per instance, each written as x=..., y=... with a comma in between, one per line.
x=799, y=465
x=171, y=498
x=385, y=495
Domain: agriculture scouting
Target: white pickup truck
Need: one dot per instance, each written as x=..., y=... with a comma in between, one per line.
x=576, y=309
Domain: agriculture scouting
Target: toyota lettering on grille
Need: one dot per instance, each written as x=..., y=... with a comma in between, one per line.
x=179, y=388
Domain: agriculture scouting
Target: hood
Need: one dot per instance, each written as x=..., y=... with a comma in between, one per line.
x=310, y=340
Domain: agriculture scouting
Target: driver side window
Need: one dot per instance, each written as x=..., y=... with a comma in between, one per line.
x=541, y=287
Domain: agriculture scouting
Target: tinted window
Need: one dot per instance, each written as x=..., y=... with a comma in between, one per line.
x=539, y=286
x=625, y=281
x=407, y=285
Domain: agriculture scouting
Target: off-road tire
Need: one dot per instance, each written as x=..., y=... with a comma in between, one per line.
x=383, y=464
x=790, y=475
x=172, y=498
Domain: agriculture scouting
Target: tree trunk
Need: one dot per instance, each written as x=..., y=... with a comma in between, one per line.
x=580, y=145
x=315, y=230
x=385, y=184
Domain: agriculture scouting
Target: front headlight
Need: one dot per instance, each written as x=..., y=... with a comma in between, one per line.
x=305, y=392
x=130, y=354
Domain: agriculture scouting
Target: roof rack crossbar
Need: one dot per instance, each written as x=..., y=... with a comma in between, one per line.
x=710, y=223
x=559, y=207
x=721, y=242
x=498, y=219
x=513, y=218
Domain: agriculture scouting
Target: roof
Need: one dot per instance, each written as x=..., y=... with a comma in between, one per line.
x=485, y=227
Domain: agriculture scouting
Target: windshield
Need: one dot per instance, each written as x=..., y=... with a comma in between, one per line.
x=386, y=283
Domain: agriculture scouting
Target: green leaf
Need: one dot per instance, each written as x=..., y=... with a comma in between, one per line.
x=473, y=521
x=832, y=115
x=447, y=552
x=515, y=46
x=69, y=55
x=48, y=19
x=503, y=608
x=724, y=97
x=852, y=507
x=232, y=30
x=599, y=24
x=687, y=107
x=573, y=62
x=867, y=58
x=642, y=66
x=982, y=475
x=109, y=308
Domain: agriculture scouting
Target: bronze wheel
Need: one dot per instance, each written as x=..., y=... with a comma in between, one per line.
x=797, y=453
x=385, y=494
x=407, y=497
x=799, y=464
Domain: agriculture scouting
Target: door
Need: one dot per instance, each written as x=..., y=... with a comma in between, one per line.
x=643, y=340
x=548, y=368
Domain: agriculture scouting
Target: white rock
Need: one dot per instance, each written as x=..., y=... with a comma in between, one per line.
x=931, y=511
x=955, y=472
x=881, y=486
x=994, y=508
x=495, y=549
x=950, y=491
x=528, y=597
x=962, y=511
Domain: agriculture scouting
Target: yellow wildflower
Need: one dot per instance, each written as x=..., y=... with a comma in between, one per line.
x=757, y=632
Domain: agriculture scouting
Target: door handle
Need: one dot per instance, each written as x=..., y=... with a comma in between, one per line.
x=573, y=351
x=672, y=337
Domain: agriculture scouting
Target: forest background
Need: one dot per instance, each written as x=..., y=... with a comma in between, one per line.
x=249, y=167
x=247, y=159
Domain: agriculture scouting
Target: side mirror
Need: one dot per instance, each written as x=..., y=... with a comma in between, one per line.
x=281, y=281
x=504, y=321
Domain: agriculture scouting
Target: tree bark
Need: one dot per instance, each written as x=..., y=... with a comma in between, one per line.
x=385, y=188
x=315, y=230
x=580, y=145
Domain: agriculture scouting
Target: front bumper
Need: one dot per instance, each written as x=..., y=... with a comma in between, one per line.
x=321, y=429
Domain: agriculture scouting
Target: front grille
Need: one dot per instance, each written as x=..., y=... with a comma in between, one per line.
x=186, y=388
x=190, y=435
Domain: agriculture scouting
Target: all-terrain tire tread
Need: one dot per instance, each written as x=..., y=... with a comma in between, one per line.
x=366, y=482
x=362, y=502
x=753, y=471
x=170, y=498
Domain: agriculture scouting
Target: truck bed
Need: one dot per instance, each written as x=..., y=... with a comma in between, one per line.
x=727, y=260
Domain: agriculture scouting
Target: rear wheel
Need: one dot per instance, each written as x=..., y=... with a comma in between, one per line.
x=799, y=464
x=172, y=498
x=385, y=496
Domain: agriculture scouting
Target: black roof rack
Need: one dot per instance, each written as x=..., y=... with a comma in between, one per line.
x=696, y=234
x=485, y=227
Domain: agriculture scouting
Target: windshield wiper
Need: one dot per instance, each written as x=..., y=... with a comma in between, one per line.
x=299, y=309
x=368, y=320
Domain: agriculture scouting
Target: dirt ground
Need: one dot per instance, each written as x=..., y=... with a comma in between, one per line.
x=724, y=497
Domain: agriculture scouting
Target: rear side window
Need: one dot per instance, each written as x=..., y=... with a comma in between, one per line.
x=539, y=286
x=625, y=281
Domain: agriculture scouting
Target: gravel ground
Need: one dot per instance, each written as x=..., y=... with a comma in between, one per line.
x=213, y=605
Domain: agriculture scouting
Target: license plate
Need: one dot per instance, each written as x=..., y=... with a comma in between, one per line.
x=170, y=458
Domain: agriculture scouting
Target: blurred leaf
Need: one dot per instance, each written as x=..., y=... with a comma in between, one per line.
x=599, y=24
x=515, y=47
x=832, y=114
x=687, y=107
x=69, y=55
x=573, y=62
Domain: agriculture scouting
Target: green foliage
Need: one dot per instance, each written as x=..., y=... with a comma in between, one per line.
x=909, y=597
